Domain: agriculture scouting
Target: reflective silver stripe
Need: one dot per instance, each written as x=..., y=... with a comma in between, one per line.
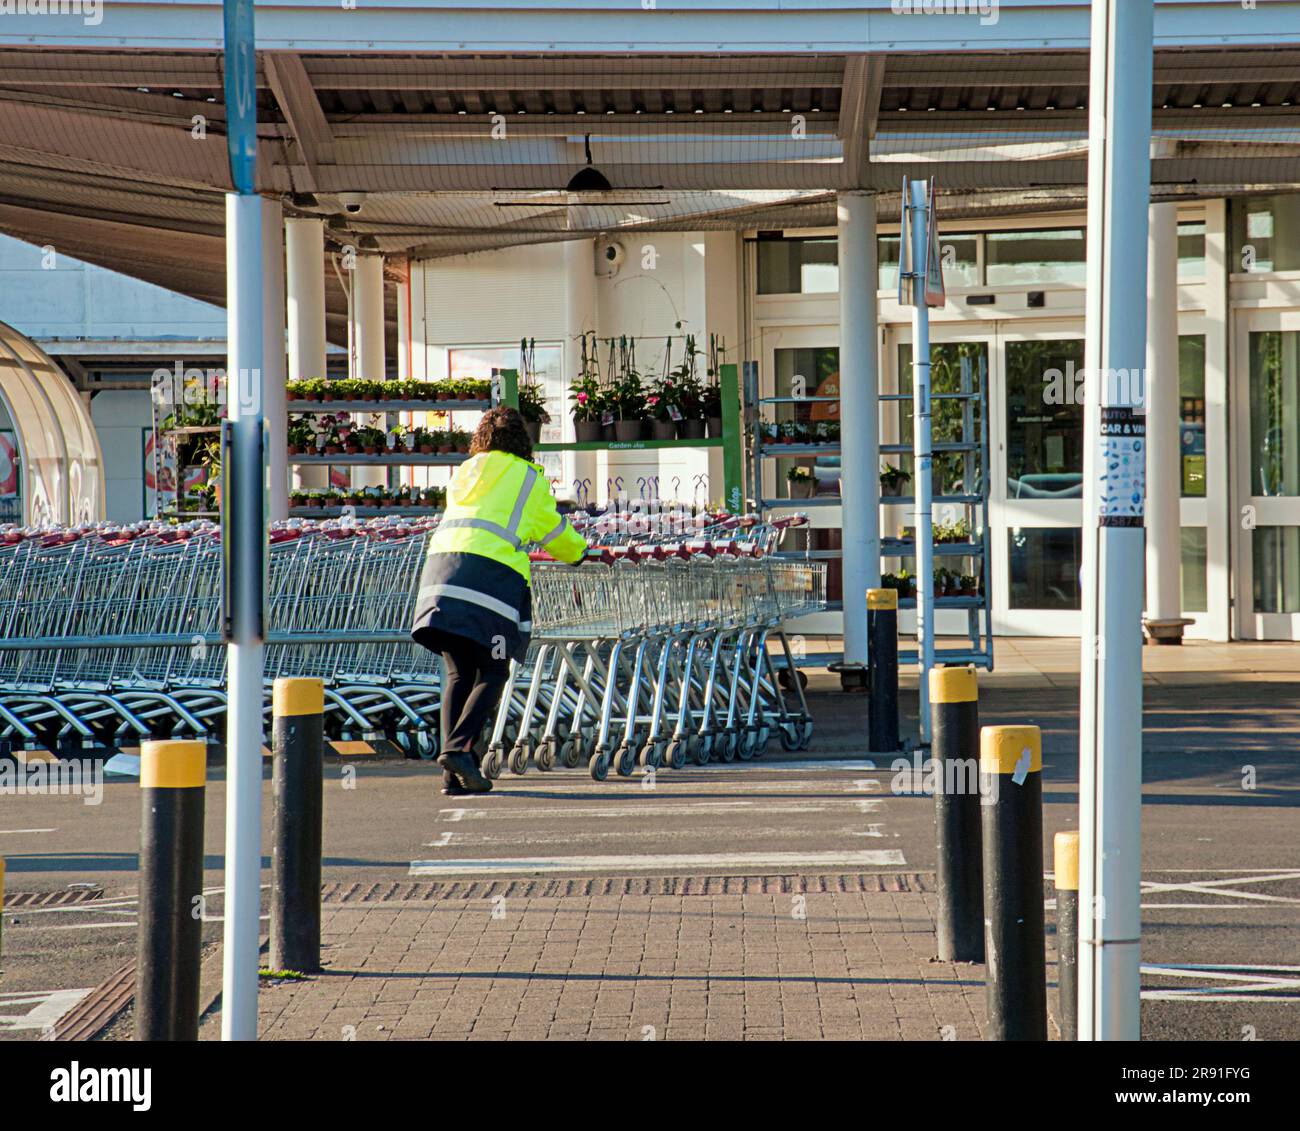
x=480, y=524
x=473, y=597
x=554, y=534
x=517, y=515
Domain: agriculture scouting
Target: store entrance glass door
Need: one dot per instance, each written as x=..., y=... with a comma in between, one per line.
x=1267, y=404
x=1037, y=488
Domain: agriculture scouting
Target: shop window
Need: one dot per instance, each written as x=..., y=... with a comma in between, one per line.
x=1191, y=252
x=1044, y=567
x=1276, y=559
x=1044, y=435
x=1266, y=234
x=1275, y=413
x=798, y=267
x=1051, y=256
x=1191, y=400
x=960, y=255
x=1193, y=569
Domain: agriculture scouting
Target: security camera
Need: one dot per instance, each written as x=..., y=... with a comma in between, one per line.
x=352, y=201
x=609, y=257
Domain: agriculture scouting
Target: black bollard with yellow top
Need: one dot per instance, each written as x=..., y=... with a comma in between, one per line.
x=955, y=739
x=1065, y=850
x=882, y=671
x=173, y=774
x=297, y=775
x=1011, y=764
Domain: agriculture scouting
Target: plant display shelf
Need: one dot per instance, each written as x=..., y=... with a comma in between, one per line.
x=795, y=451
x=801, y=504
x=401, y=459
x=318, y=407
x=363, y=512
x=906, y=548
x=629, y=445
x=731, y=441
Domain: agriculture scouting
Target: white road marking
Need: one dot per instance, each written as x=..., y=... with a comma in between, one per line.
x=46, y=1009
x=654, y=808
x=876, y=858
x=20, y=832
x=811, y=764
x=1227, y=887
x=1243, y=983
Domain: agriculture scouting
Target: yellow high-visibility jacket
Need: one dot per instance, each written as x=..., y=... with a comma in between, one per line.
x=476, y=575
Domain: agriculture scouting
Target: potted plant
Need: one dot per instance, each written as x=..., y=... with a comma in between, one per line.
x=662, y=405
x=893, y=479
x=297, y=498
x=315, y=498
x=968, y=587
x=459, y=440
x=906, y=584
x=802, y=482
x=301, y=436
x=942, y=581
x=532, y=407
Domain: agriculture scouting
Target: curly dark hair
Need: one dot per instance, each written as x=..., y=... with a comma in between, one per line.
x=502, y=430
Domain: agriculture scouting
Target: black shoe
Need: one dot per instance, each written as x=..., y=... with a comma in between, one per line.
x=463, y=767
x=451, y=785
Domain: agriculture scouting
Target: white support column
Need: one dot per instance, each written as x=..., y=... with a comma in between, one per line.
x=273, y=365
x=304, y=240
x=859, y=415
x=368, y=340
x=1164, y=543
x=246, y=550
x=579, y=316
x=404, y=331
x=368, y=315
x=1110, y=708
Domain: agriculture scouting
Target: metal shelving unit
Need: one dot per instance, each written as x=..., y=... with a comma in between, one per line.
x=974, y=451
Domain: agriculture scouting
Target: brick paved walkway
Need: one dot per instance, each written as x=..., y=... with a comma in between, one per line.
x=844, y=964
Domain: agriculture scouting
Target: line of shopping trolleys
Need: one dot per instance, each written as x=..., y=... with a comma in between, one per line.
x=664, y=647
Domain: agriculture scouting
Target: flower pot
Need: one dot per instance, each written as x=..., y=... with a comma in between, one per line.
x=333, y=449
x=663, y=429
x=626, y=431
x=801, y=488
x=692, y=429
x=534, y=430
x=715, y=426
x=587, y=431
x=462, y=449
x=444, y=449
x=891, y=490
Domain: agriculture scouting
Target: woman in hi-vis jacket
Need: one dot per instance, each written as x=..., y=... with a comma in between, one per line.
x=474, y=606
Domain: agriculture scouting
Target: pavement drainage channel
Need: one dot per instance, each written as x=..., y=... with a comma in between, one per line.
x=866, y=882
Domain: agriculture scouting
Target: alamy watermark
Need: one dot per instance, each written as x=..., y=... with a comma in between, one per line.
x=986, y=10
x=90, y=11
x=66, y=777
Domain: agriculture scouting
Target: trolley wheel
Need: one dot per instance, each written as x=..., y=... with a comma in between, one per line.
x=625, y=760
x=545, y=755
x=702, y=749
x=726, y=745
x=651, y=756
x=519, y=755
x=764, y=737
x=747, y=744
x=599, y=767
x=675, y=754
x=790, y=737
x=570, y=752
x=492, y=762
x=805, y=736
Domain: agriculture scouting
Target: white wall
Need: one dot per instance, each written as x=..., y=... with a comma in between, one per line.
x=121, y=417
x=48, y=295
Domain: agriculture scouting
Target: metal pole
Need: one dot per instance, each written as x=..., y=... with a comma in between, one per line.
x=921, y=446
x=1065, y=848
x=275, y=407
x=1110, y=707
x=244, y=534
x=859, y=416
x=882, y=671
